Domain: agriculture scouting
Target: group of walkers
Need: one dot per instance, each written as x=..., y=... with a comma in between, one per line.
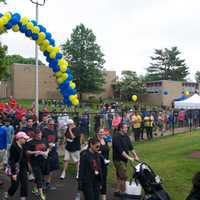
x=30, y=150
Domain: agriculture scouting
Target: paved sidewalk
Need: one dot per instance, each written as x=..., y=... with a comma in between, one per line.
x=66, y=190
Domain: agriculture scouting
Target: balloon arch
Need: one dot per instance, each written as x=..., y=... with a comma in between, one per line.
x=44, y=39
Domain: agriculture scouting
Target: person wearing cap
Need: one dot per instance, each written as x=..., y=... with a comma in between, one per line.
x=38, y=150
x=18, y=165
x=72, y=147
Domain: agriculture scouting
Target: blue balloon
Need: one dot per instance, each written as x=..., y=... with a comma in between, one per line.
x=42, y=28
x=54, y=62
x=28, y=33
x=9, y=25
x=16, y=18
x=48, y=36
x=67, y=102
x=1, y=15
x=34, y=22
x=68, y=70
x=52, y=42
x=35, y=36
x=64, y=85
x=46, y=53
x=23, y=28
x=70, y=77
x=56, y=68
x=165, y=92
x=58, y=56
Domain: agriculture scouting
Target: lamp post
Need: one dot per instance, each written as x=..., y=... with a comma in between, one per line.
x=37, y=4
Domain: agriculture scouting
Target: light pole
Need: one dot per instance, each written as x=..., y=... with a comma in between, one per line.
x=37, y=4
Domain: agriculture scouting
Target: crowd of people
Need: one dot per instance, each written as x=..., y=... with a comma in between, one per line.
x=30, y=148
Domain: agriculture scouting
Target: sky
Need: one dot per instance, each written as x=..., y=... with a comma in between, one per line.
x=128, y=31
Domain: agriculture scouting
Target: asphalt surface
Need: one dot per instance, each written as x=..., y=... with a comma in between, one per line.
x=66, y=189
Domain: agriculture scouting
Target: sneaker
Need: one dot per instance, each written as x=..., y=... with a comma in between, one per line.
x=63, y=175
x=106, y=162
x=31, y=177
x=78, y=196
x=5, y=197
x=42, y=197
x=35, y=191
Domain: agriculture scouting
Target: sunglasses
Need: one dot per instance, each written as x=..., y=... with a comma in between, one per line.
x=97, y=146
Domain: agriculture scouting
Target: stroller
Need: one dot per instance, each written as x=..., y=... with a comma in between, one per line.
x=144, y=176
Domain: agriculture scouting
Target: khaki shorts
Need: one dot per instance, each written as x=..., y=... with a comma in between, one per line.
x=121, y=170
x=74, y=156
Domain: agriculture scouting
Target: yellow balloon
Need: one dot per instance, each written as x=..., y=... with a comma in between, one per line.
x=56, y=49
x=75, y=102
x=52, y=55
x=187, y=93
x=1, y=23
x=24, y=20
x=45, y=43
x=64, y=76
x=5, y=20
x=58, y=74
x=39, y=41
x=15, y=28
x=134, y=98
x=30, y=26
x=72, y=85
x=61, y=61
x=43, y=48
x=8, y=15
x=49, y=48
x=63, y=68
x=72, y=97
x=42, y=36
x=36, y=29
x=60, y=80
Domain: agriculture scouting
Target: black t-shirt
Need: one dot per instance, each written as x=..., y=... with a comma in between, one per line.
x=73, y=145
x=121, y=143
x=49, y=135
x=37, y=145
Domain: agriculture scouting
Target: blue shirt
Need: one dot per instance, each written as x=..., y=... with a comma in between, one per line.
x=3, y=138
x=10, y=133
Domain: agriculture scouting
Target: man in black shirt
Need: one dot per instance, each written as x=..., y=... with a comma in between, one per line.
x=38, y=151
x=72, y=148
x=50, y=135
x=122, y=146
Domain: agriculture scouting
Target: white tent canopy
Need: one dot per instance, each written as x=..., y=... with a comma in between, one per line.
x=192, y=102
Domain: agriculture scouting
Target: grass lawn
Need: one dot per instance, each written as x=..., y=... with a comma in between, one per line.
x=170, y=158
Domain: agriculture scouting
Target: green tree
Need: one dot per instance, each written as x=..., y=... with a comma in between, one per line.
x=129, y=84
x=167, y=65
x=197, y=76
x=4, y=1
x=86, y=58
x=10, y=59
x=4, y=72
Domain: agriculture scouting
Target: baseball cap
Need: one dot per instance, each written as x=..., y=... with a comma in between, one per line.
x=23, y=135
x=70, y=121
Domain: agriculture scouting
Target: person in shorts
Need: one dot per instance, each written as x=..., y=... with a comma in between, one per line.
x=72, y=147
x=122, y=148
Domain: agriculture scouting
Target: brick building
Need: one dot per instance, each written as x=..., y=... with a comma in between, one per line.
x=163, y=92
x=22, y=83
